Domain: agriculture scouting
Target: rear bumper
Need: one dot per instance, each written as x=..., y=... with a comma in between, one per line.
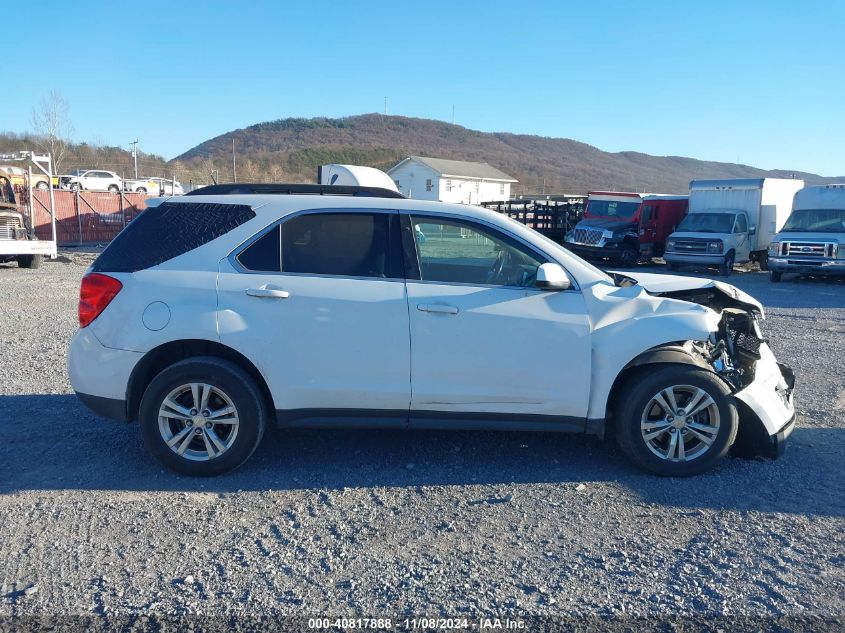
x=106, y=407
x=807, y=266
x=100, y=375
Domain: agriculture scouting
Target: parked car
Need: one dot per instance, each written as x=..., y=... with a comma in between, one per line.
x=20, y=178
x=142, y=185
x=731, y=222
x=92, y=180
x=813, y=238
x=626, y=227
x=316, y=310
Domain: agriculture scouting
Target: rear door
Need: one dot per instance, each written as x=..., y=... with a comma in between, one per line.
x=318, y=303
x=484, y=340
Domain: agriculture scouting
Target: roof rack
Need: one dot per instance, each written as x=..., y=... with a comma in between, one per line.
x=294, y=189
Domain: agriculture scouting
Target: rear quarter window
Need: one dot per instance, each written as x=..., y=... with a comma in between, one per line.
x=167, y=231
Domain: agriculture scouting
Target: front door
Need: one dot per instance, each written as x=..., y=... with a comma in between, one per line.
x=483, y=338
x=741, y=237
x=317, y=302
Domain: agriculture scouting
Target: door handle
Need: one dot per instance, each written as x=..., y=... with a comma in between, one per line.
x=437, y=308
x=270, y=293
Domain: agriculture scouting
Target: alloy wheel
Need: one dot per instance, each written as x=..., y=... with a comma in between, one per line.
x=680, y=423
x=198, y=421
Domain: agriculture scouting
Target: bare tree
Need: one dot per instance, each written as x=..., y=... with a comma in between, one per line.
x=51, y=121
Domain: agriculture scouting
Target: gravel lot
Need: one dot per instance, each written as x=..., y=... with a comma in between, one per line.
x=392, y=523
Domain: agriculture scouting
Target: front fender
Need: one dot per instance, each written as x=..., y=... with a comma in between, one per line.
x=628, y=322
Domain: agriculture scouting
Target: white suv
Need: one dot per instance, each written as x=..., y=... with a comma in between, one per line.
x=92, y=180
x=270, y=304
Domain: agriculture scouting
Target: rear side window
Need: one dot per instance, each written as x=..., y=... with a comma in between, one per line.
x=339, y=244
x=167, y=231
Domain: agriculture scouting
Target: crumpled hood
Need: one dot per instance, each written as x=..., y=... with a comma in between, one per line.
x=669, y=285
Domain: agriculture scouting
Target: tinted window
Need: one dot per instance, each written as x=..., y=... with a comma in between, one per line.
x=168, y=230
x=462, y=252
x=263, y=254
x=741, y=224
x=345, y=244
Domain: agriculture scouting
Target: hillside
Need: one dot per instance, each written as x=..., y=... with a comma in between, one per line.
x=291, y=149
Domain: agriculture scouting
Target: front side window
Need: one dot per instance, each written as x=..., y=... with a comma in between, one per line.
x=453, y=251
x=336, y=244
x=741, y=224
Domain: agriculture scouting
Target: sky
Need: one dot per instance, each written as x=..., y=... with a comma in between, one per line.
x=756, y=82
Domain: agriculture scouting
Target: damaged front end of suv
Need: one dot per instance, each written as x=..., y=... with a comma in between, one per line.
x=738, y=352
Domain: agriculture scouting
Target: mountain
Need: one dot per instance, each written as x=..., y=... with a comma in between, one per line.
x=291, y=149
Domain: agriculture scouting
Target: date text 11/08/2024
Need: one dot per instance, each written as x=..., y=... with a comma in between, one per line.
x=423, y=623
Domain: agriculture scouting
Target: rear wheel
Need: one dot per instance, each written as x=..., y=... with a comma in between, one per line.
x=675, y=420
x=114, y=188
x=42, y=186
x=672, y=267
x=30, y=261
x=141, y=190
x=763, y=260
x=202, y=416
x=775, y=276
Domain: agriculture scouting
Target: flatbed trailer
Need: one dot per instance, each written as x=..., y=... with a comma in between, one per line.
x=553, y=215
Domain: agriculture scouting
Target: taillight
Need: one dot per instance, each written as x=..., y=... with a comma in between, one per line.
x=95, y=294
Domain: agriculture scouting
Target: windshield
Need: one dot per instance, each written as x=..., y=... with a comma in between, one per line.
x=612, y=209
x=708, y=223
x=816, y=220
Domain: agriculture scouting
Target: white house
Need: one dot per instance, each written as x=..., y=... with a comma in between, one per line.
x=425, y=178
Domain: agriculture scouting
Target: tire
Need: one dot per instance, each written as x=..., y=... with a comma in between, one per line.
x=636, y=405
x=763, y=260
x=672, y=267
x=74, y=186
x=29, y=261
x=775, y=276
x=114, y=189
x=141, y=190
x=727, y=266
x=628, y=257
x=233, y=440
x=42, y=186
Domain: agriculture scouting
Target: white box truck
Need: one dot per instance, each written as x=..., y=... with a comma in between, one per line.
x=731, y=221
x=812, y=241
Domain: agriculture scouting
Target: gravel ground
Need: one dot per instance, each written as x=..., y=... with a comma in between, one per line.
x=392, y=523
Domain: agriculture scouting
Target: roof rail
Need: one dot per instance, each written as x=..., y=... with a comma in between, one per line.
x=294, y=189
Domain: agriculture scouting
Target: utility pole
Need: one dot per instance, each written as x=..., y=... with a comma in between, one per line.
x=453, y=114
x=234, y=171
x=385, y=105
x=134, y=145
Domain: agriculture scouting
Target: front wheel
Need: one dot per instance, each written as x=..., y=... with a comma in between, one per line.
x=628, y=257
x=775, y=276
x=727, y=266
x=42, y=186
x=763, y=260
x=672, y=267
x=141, y=190
x=675, y=421
x=114, y=188
x=202, y=416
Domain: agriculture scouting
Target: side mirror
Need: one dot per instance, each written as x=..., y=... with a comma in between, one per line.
x=752, y=230
x=552, y=277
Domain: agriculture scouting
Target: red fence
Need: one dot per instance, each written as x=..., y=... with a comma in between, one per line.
x=85, y=217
